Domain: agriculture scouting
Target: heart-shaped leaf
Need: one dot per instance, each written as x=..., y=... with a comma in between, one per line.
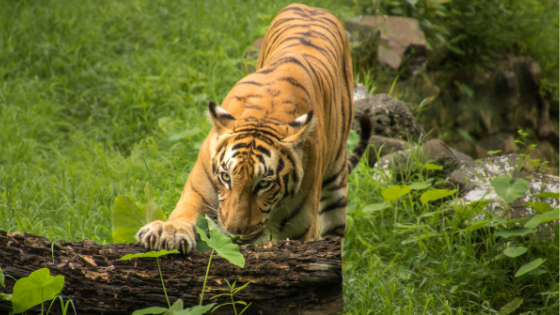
x=39, y=287
x=128, y=218
x=510, y=189
x=223, y=245
x=394, y=192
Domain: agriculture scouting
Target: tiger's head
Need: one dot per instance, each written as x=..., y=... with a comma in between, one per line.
x=257, y=166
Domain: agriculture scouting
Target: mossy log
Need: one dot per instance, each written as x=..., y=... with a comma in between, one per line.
x=286, y=277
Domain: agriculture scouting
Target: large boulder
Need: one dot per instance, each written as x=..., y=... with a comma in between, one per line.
x=390, y=117
x=479, y=174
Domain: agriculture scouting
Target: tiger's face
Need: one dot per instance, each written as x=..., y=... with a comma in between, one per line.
x=256, y=168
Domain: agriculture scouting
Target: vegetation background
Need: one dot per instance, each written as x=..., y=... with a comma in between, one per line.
x=97, y=98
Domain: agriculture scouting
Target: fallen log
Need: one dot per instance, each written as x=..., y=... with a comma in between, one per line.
x=286, y=277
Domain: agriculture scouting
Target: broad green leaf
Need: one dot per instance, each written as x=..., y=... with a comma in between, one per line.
x=529, y=266
x=510, y=307
x=395, y=192
x=515, y=232
x=548, y=194
x=223, y=245
x=202, y=223
x=152, y=211
x=128, y=218
x=150, y=310
x=420, y=185
x=2, y=277
x=478, y=225
x=541, y=218
x=39, y=287
x=514, y=251
x=372, y=207
x=149, y=254
x=436, y=194
x=432, y=167
x=540, y=206
x=509, y=188
x=175, y=308
x=196, y=310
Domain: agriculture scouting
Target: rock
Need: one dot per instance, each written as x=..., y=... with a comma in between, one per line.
x=249, y=62
x=401, y=44
x=431, y=152
x=498, y=141
x=382, y=146
x=479, y=174
x=481, y=109
x=390, y=117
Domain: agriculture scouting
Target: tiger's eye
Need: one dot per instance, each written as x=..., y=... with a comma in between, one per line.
x=226, y=177
x=264, y=183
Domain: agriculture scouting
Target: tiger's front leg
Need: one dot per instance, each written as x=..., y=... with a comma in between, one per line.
x=178, y=232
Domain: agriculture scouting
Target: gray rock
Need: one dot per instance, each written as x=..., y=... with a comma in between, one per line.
x=432, y=152
x=390, y=117
x=382, y=146
x=479, y=174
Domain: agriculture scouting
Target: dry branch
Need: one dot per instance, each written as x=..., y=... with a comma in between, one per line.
x=287, y=277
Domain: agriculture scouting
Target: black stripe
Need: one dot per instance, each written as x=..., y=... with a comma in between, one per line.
x=295, y=83
x=331, y=230
x=251, y=83
x=331, y=179
x=284, y=60
x=241, y=145
x=339, y=203
x=280, y=165
x=263, y=150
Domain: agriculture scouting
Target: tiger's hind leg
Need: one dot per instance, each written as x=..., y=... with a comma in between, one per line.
x=332, y=208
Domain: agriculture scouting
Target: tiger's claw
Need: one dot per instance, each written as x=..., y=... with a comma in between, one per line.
x=172, y=235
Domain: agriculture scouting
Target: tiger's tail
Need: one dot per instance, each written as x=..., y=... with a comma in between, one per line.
x=366, y=126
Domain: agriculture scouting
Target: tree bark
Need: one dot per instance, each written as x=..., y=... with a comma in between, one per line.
x=286, y=277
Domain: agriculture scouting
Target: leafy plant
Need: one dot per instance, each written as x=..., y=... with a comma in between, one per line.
x=231, y=292
x=213, y=239
x=128, y=218
x=35, y=289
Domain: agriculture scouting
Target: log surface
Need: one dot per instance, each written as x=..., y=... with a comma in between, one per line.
x=286, y=277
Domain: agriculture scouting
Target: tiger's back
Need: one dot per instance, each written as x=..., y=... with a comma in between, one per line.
x=275, y=160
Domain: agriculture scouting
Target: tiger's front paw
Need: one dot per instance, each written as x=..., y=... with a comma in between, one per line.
x=169, y=235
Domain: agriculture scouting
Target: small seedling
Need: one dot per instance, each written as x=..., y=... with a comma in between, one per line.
x=231, y=292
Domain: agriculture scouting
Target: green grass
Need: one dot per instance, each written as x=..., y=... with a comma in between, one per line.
x=99, y=98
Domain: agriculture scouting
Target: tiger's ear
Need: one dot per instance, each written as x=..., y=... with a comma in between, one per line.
x=301, y=128
x=219, y=117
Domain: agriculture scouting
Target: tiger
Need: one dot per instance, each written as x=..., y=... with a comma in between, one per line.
x=274, y=165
